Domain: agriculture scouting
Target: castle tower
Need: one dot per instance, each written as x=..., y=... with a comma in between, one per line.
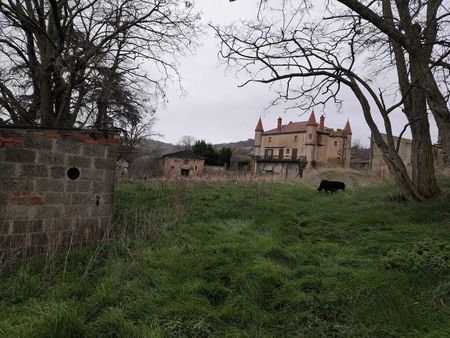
x=347, y=144
x=259, y=130
x=311, y=139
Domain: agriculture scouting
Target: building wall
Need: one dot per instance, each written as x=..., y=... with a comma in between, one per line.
x=338, y=151
x=377, y=163
x=323, y=149
x=279, y=168
x=41, y=208
x=286, y=141
x=173, y=166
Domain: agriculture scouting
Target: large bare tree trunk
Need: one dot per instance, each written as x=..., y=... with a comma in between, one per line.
x=415, y=106
x=392, y=159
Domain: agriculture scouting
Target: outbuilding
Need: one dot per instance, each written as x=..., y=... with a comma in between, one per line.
x=183, y=164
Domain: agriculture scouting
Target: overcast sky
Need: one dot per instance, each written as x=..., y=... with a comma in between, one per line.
x=216, y=110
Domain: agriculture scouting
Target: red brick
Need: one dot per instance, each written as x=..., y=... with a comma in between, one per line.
x=47, y=133
x=18, y=198
x=10, y=141
x=37, y=200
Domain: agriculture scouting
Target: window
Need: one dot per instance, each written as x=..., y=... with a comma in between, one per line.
x=295, y=138
x=186, y=161
x=287, y=151
x=335, y=143
x=268, y=154
x=270, y=139
x=310, y=136
x=185, y=172
x=280, y=153
x=294, y=154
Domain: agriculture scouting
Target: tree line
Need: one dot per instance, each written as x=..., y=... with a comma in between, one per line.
x=212, y=156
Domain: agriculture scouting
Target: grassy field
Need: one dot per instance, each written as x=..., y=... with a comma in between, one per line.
x=245, y=260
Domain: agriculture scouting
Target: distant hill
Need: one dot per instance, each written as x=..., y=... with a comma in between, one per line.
x=239, y=144
x=159, y=148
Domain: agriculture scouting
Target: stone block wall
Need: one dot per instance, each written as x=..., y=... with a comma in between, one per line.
x=56, y=188
x=173, y=167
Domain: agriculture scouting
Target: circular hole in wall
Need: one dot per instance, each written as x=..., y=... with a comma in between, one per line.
x=73, y=173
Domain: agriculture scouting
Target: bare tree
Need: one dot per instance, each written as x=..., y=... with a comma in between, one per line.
x=78, y=62
x=312, y=62
x=418, y=33
x=186, y=142
x=133, y=134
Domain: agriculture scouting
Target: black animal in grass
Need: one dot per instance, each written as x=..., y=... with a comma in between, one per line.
x=332, y=186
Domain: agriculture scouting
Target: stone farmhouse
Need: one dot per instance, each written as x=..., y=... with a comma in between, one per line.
x=285, y=149
x=183, y=164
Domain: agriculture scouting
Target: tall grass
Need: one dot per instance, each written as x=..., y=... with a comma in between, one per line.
x=254, y=259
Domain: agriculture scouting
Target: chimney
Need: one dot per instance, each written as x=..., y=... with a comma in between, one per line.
x=322, y=123
x=279, y=123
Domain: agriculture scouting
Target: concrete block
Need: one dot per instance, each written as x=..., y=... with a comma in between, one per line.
x=100, y=210
x=7, y=169
x=33, y=170
x=68, y=147
x=78, y=186
x=5, y=227
x=48, y=184
x=34, y=142
x=105, y=163
x=78, y=162
x=76, y=212
x=19, y=185
x=112, y=152
x=56, y=224
x=50, y=158
x=23, y=227
x=92, y=174
x=57, y=172
x=48, y=211
x=109, y=178
x=20, y=155
x=57, y=198
x=13, y=241
x=93, y=150
x=38, y=239
x=83, y=198
x=98, y=187
x=20, y=212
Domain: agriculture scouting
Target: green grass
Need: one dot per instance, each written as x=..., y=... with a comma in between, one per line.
x=246, y=260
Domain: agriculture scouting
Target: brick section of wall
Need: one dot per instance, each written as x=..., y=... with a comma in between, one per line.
x=41, y=208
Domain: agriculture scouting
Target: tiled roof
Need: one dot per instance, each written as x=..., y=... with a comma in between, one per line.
x=291, y=127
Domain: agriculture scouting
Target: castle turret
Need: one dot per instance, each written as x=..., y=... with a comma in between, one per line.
x=347, y=132
x=311, y=139
x=259, y=130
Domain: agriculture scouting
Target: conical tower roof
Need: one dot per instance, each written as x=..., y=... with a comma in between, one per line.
x=312, y=120
x=259, y=126
x=347, y=127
